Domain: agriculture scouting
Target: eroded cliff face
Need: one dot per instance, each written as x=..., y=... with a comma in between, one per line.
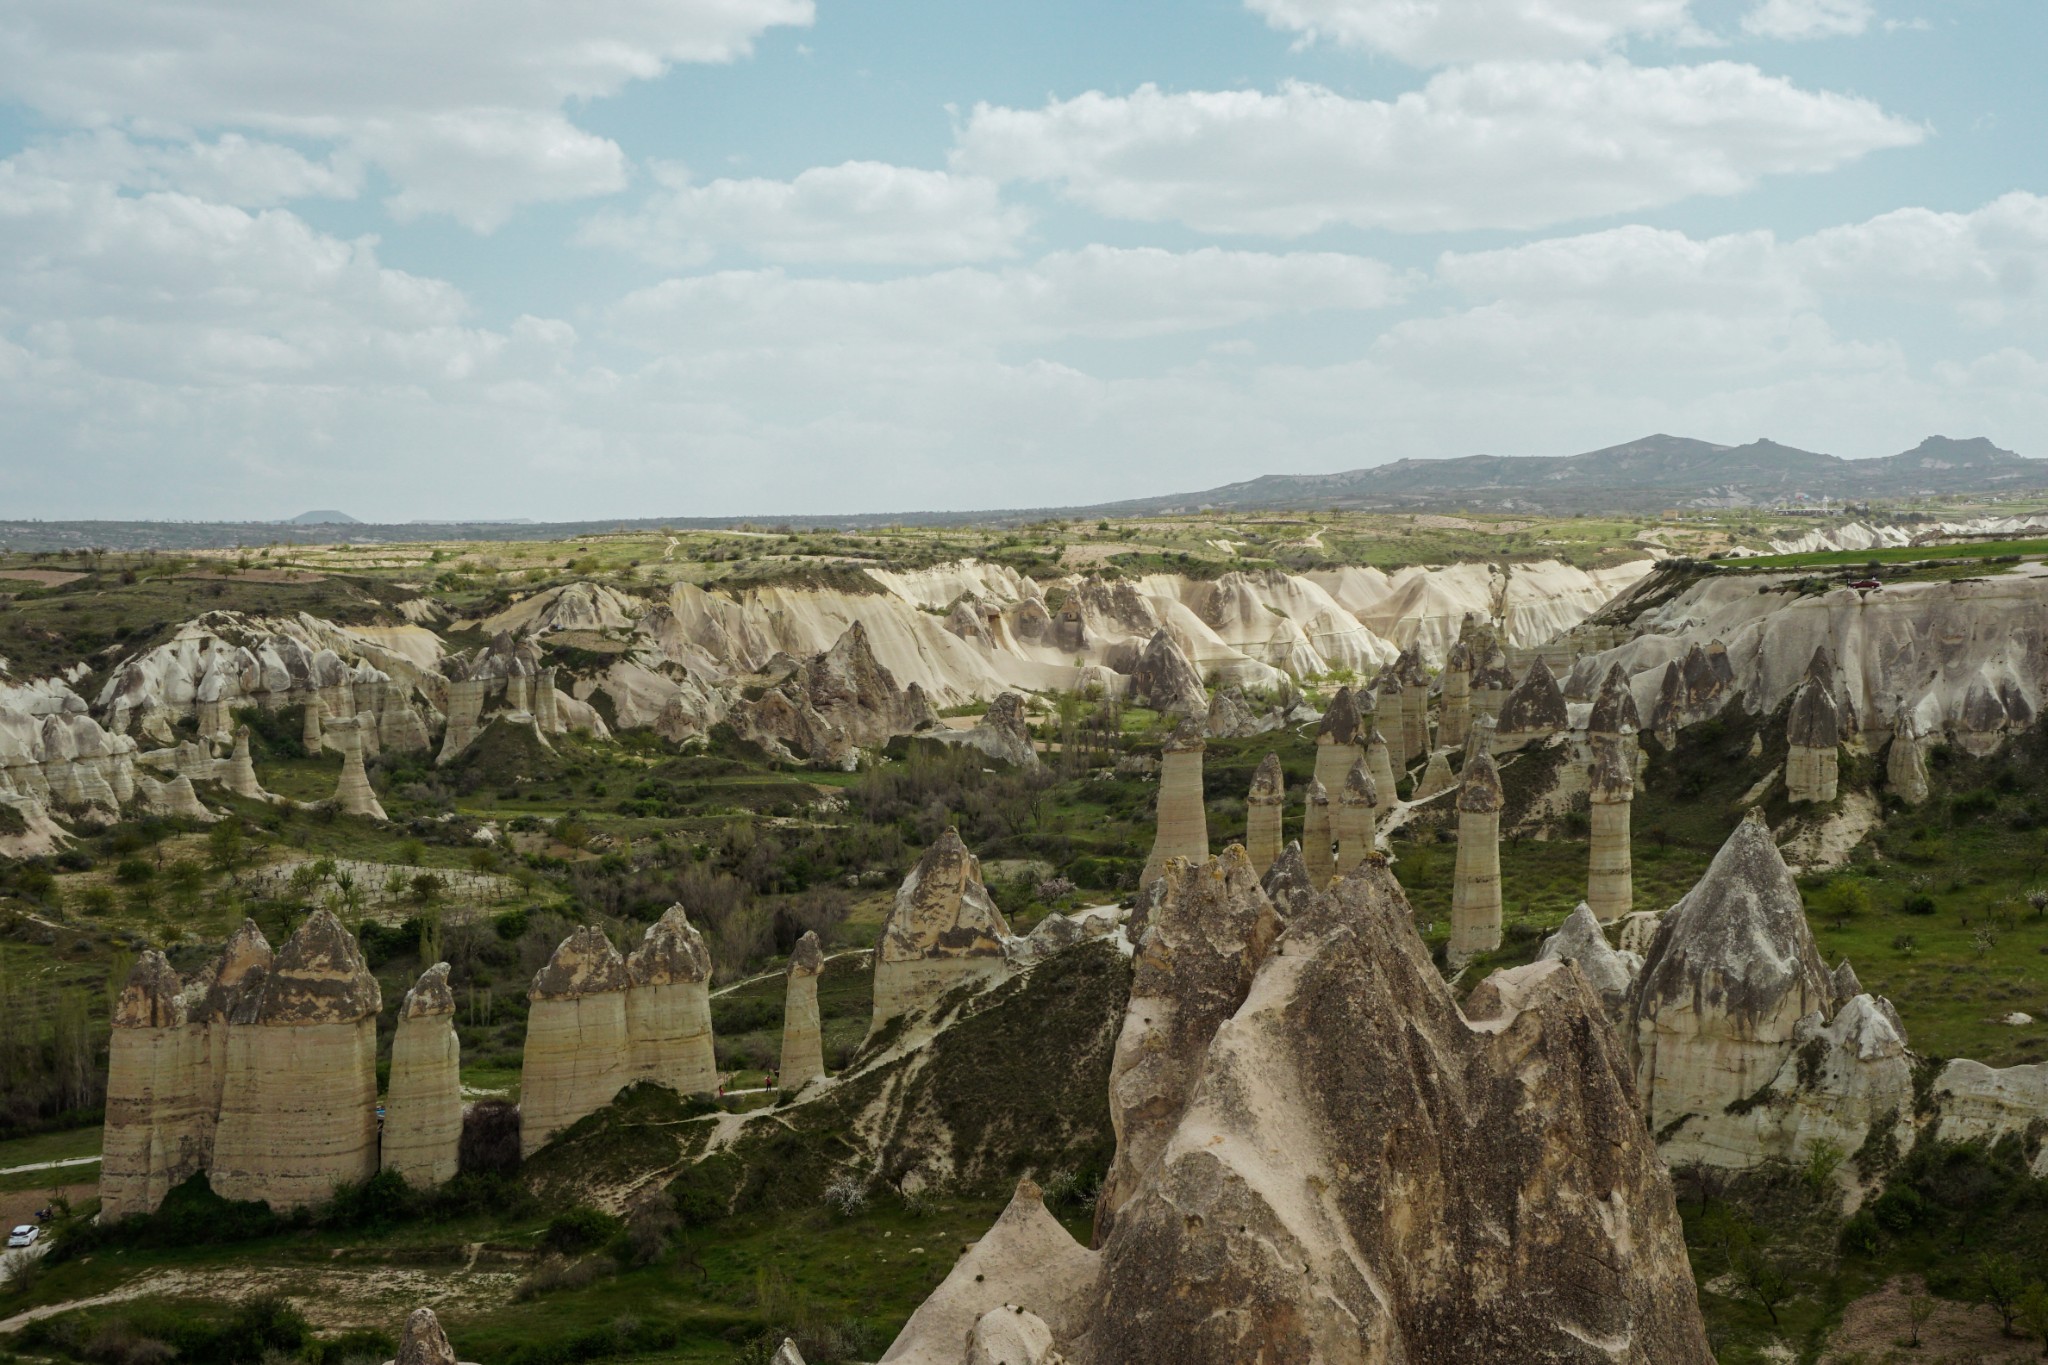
x=1342, y=1166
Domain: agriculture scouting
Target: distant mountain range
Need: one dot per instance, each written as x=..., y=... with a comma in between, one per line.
x=1643, y=476
x=1655, y=472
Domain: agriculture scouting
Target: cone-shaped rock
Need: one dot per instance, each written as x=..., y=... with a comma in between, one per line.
x=1614, y=709
x=944, y=929
x=1581, y=941
x=1183, y=821
x=1437, y=776
x=1380, y=763
x=1265, y=808
x=803, y=1046
x=1355, y=817
x=1287, y=883
x=1534, y=711
x=578, y=1055
x=423, y=1342
x=1167, y=681
x=1813, y=731
x=423, y=1102
x=668, y=1007
x=298, y=1111
x=1844, y=984
x=1475, y=880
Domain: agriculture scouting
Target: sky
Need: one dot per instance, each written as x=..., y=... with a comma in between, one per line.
x=577, y=259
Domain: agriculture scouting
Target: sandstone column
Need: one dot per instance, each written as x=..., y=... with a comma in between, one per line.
x=1814, y=730
x=353, y=794
x=668, y=1008
x=577, y=1054
x=423, y=1104
x=1357, y=800
x=1316, y=851
x=310, y=735
x=803, y=1045
x=240, y=777
x=465, y=709
x=1457, y=717
x=152, y=1138
x=1392, y=713
x=1380, y=764
x=1475, y=886
x=944, y=930
x=1336, y=750
x=299, y=1106
x=1265, y=808
x=1415, y=711
x=1610, y=887
x=1183, y=828
x=546, y=712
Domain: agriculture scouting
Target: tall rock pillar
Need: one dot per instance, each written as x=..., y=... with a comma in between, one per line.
x=1415, y=707
x=668, y=1008
x=423, y=1103
x=156, y=1095
x=353, y=794
x=1610, y=885
x=1336, y=750
x=1475, y=885
x=299, y=1104
x=1357, y=801
x=1380, y=764
x=465, y=711
x=1183, y=829
x=310, y=735
x=1317, y=852
x=577, y=1056
x=803, y=1044
x=1265, y=808
x=1814, y=733
x=1392, y=716
x=1457, y=717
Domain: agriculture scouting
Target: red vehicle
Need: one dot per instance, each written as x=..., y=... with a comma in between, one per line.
x=1865, y=584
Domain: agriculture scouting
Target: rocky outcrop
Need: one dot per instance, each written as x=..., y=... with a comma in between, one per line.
x=1283, y=1193
x=1533, y=712
x=668, y=1008
x=836, y=704
x=1610, y=972
x=1166, y=681
x=578, y=1055
x=803, y=1046
x=944, y=931
x=1390, y=716
x=423, y=1342
x=423, y=1102
x=1813, y=733
x=1978, y=1103
x=1210, y=929
x=1492, y=681
x=1475, y=880
x=1003, y=732
x=298, y=1110
x=1265, y=809
x=1610, y=871
x=1905, y=764
x=1182, y=829
x=1725, y=983
x=1355, y=817
x=1437, y=777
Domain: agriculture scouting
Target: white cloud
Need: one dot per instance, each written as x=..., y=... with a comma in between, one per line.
x=1096, y=292
x=229, y=169
x=1502, y=145
x=1438, y=32
x=460, y=101
x=1796, y=19
x=861, y=211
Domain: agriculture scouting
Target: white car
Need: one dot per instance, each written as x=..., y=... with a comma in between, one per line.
x=24, y=1236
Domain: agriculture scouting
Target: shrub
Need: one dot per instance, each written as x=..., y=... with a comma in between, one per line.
x=579, y=1229
x=490, y=1139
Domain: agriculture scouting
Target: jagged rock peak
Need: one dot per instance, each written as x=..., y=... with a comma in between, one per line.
x=1815, y=721
x=585, y=963
x=1479, y=785
x=1287, y=883
x=1166, y=679
x=671, y=952
x=1845, y=985
x=943, y=909
x=1738, y=939
x=1580, y=940
x=1358, y=787
x=1669, y=712
x=1268, y=782
x=431, y=995
x=149, y=998
x=1186, y=738
x=1495, y=673
x=1480, y=740
x=1820, y=669
x=1340, y=718
x=1537, y=703
x=1614, y=709
x=424, y=1343
x=319, y=977
x=808, y=957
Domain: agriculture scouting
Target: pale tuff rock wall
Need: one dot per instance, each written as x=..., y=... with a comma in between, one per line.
x=423, y=1102
x=1183, y=822
x=1729, y=975
x=1462, y=1191
x=175, y=797
x=803, y=1047
x=1211, y=927
x=1318, y=854
x=668, y=1008
x=1610, y=871
x=1475, y=881
x=1457, y=712
x=298, y=1106
x=577, y=1052
x=353, y=794
x=1353, y=820
x=1533, y=712
x=944, y=930
x=1265, y=810
x=158, y=1105
x=1610, y=972
x=1981, y=1103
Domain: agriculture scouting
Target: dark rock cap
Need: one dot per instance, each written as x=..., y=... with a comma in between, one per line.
x=807, y=958
x=430, y=996
x=1268, y=782
x=1615, y=707
x=1479, y=786
x=1340, y=719
x=424, y=1343
x=671, y=952
x=1815, y=722
x=1287, y=883
x=149, y=998
x=1358, y=787
x=585, y=963
x=319, y=977
x=1537, y=705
